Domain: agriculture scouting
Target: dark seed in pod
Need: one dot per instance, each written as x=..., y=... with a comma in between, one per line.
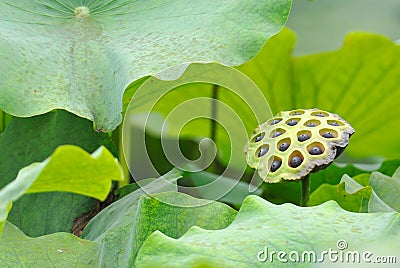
x=315, y=150
x=295, y=161
x=328, y=135
x=259, y=137
x=303, y=137
x=276, y=134
x=334, y=124
x=292, y=123
x=262, y=151
x=296, y=113
x=320, y=114
x=283, y=146
x=275, y=121
x=275, y=165
x=311, y=124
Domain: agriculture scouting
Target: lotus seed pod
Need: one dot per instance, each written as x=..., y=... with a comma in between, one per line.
x=295, y=143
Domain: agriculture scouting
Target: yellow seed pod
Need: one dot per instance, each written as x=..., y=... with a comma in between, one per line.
x=294, y=143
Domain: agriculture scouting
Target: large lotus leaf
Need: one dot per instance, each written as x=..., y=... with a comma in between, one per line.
x=47, y=213
x=332, y=175
x=68, y=169
x=158, y=213
x=261, y=226
x=375, y=192
x=54, y=250
x=347, y=193
x=386, y=197
x=98, y=228
x=137, y=215
x=115, y=235
x=28, y=140
x=81, y=55
x=360, y=82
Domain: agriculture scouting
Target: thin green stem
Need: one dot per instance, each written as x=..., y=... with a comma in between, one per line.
x=213, y=129
x=305, y=191
x=214, y=97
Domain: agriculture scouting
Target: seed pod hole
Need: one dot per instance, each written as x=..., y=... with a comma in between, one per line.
x=259, y=137
x=312, y=123
x=276, y=164
x=292, y=121
x=297, y=112
x=320, y=114
x=284, y=144
x=315, y=148
x=274, y=121
x=277, y=132
x=335, y=123
x=295, y=159
x=328, y=133
x=303, y=135
x=262, y=150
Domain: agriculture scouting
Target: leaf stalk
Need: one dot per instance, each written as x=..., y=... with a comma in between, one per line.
x=305, y=191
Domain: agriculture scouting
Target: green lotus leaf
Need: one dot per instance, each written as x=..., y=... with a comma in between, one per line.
x=290, y=192
x=334, y=173
x=347, y=193
x=260, y=227
x=137, y=215
x=81, y=55
x=68, y=169
x=33, y=139
x=54, y=250
x=375, y=192
x=386, y=189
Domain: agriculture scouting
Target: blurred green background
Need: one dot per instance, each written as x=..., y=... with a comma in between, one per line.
x=321, y=25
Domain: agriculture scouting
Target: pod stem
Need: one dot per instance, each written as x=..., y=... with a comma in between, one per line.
x=213, y=130
x=305, y=191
